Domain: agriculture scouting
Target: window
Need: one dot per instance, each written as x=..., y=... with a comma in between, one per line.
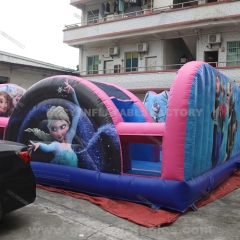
x=3, y=79
x=93, y=16
x=233, y=53
x=132, y=62
x=93, y=65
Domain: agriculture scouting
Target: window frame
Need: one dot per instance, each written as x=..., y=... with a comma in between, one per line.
x=131, y=68
x=233, y=52
x=4, y=80
x=93, y=71
x=93, y=16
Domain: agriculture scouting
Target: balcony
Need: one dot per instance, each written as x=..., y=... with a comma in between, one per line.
x=157, y=23
x=130, y=14
x=158, y=77
x=156, y=69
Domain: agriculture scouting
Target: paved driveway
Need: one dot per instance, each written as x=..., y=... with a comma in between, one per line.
x=60, y=217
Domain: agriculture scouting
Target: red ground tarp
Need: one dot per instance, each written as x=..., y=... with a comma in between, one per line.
x=142, y=214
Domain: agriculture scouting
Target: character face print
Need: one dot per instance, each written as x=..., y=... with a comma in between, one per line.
x=223, y=91
x=59, y=130
x=4, y=104
x=228, y=97
x=217, y=84
x=155, y=107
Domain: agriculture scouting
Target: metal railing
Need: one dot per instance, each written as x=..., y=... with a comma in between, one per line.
x=173, y=67
x=99, y=19
x=132, y=69
x=231, y=63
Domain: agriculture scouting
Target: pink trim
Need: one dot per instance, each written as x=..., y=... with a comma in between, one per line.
x=3, y=125
x=151, y=133
x=140, y=129
x=175, y=131
x=154, y=93
x=136, y=100
x=4, y=121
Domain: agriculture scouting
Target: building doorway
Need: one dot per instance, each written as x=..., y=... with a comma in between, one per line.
x=211, y=57
x=151, y=63
x=108, y=67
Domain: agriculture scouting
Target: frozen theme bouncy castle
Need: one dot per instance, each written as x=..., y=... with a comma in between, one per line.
x=101, y=139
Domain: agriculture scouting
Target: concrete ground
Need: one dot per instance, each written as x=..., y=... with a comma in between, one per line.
x=56, y=216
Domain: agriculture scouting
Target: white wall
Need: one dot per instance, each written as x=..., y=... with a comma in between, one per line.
x=25, y=76
x=162, y=3
x=222, y=51
x=159, y=49
x=138, y=81
x=155, y=49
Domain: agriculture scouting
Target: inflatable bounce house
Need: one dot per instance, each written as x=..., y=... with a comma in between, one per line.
x=100, y=139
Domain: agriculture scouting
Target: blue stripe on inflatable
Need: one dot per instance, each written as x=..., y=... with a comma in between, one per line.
x=170, y=194
x=209, y=74
x=190, y=132
x=224, y=128
x=208, y=122
x=199, y=129
x=200, y=97
x=205, y=122
x=129, y=111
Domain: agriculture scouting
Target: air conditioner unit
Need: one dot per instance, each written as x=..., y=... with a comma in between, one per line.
x=113, y=51
x=142, y=47
x=214, y=38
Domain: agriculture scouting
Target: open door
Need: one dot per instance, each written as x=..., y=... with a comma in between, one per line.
x=108, y=67
x=211, y=57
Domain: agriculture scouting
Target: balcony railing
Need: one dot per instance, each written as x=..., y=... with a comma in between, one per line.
x=173, y=67
x=98, y=19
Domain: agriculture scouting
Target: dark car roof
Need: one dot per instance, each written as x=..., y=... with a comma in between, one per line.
x=10, y=146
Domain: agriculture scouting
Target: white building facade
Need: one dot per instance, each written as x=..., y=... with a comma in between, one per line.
x=26, y=71
x=140, y=44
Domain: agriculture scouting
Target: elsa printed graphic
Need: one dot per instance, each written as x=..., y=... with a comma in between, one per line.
x=69, y=137
x=61, y=130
